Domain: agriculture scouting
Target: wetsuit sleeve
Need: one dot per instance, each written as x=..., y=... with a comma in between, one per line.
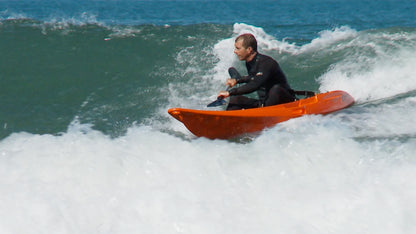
x=254, y=82
x=244, y=79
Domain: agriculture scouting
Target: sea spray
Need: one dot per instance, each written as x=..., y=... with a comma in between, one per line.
x=373, y=62
x=87, y=145
x=308, y=172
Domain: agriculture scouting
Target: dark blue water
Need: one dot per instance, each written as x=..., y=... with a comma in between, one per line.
x=285, y=18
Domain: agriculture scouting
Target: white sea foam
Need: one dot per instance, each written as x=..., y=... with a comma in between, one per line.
x=308, y=175
x=386, y=72
x=328, y=38
x=266, y=42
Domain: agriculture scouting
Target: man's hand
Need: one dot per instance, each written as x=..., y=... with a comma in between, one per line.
x=224, y=94
x=231, y=82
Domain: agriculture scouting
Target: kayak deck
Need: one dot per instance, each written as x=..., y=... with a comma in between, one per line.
x=229, y=124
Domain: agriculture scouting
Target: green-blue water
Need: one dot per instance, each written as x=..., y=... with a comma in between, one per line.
x=52, y=75
x=108, y=63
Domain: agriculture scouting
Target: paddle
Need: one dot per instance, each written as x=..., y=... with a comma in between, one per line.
x=220, y=99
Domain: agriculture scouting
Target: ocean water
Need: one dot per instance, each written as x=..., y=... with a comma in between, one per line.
x=87, y=145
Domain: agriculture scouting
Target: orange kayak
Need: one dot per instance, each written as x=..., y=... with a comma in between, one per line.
x=230, y=124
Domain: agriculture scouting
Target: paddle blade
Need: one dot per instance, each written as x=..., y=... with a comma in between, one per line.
x=219, y=102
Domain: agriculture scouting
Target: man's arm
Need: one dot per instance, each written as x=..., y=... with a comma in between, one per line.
x=244, y=79
x=256, y=81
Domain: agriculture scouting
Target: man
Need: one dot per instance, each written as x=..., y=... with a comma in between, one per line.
x=264, y=76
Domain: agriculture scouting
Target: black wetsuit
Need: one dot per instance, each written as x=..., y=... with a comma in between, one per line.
x=267, y=78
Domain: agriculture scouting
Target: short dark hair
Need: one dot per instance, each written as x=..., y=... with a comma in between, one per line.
x=248, y=41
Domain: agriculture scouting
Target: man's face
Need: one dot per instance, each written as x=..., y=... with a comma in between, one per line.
x=241, y=52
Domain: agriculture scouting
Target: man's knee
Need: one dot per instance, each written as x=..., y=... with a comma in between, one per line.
x=278, y=95
x=234, y=73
